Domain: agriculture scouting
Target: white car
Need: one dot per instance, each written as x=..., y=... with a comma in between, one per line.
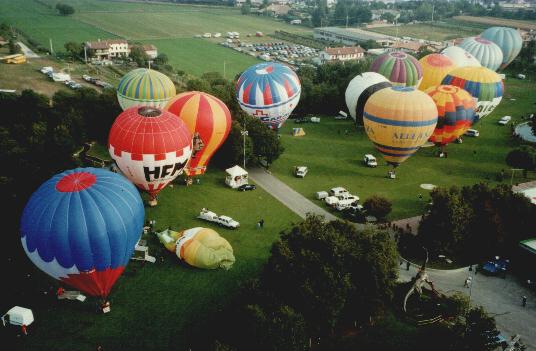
x=300, y=171
x=225, y=221
x=339, y=190
x=472, y=132
x=504, y=120
x=370, y=160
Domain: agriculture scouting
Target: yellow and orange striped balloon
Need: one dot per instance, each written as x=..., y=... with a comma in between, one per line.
x=209, y=121
x=399, y=120
x=435, y=67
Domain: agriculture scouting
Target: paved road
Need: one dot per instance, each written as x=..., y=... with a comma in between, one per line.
x=27, y=51
x=295, y=201
x=500, y=297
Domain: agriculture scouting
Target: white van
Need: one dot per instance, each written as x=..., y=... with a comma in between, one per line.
x=521, y=76
x=339, y=190
x=370, y=160
x=504, y=120
x=472, y=132
x=18, y=316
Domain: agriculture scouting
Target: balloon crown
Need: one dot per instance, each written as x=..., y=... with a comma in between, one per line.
x=398, y=54
x=404, y=89
x=482, y=40
x=148, y=111
x=75, y=182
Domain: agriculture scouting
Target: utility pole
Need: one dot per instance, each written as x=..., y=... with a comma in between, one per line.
x=51, y=48
x=244, y=134
x=224, y=69
x=346, y=18
x=149, y=63
x=85, y=53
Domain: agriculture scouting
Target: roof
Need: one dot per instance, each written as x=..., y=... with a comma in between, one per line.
x=148, y=47
x=529, y=244
x=236, y=171
x=104, y=44
x=345, y=50
x=410, y=45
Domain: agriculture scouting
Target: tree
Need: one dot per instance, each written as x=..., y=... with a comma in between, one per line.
x=377, y=206
x=64, y=9
x=14, y=48
x=74, y=49
x=388, y=16
x=161, y=59
x=138, y=55
x=523, y=157
x=245, y=9
x=266, y=144
x=481, y=331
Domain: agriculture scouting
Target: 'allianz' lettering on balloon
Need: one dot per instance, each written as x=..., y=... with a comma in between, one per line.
x=412, y=136
x=177, y=167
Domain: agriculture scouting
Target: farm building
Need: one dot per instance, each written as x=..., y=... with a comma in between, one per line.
x=107, y=49
x=277, y=9
x=352, y=36
x=150, y=50
x=411, y=47
x=342, y=54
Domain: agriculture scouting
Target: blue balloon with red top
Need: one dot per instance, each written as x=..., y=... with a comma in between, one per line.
x=81, y=227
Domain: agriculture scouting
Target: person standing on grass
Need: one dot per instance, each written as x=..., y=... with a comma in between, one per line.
x=261, y=222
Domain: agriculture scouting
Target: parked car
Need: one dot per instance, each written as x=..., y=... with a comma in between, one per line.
x=46, y=70
x=86, y=78
x=504, y=120
x=354, y=214
x=472, y=132
x=300, y=171
x=496, y=266
x=246, y=187
x=225, y=221
x=370, y=160
x=339, y=190
x=301, y=120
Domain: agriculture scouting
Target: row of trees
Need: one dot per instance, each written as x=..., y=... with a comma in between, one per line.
x=476, y=222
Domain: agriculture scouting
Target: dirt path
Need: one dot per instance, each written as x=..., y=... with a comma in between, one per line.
x=27, y=51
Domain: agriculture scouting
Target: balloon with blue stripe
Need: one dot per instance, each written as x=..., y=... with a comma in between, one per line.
x=145, y=87
x=269, y=92
x=399, y=120
x=81, y=227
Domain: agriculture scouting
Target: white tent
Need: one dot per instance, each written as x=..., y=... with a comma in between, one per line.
x=236, y=176
x=18, y=316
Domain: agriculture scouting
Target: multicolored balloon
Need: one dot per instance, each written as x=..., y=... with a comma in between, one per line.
x=269, y=92
x=482, y=83
x=434, y=68
x=486, y=52
x=359, y=90
x=509, y=41
x=145, y=87
x=399, y=120
x=199, y=247
x=150, y=146
x=81, y=227
x=209, y=121
x=400, y=68
x=456, y=112
x=460, y=57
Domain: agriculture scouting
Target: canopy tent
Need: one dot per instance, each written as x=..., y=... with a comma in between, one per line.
x=298, y=132
x=236, y=176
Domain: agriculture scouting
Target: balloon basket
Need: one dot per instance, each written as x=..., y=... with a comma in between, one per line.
x=391, y=175
x=153, y=202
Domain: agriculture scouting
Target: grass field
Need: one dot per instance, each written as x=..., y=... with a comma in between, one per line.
x=156, y=306
x=426, y=31
x=494, y=21
x=339, y=161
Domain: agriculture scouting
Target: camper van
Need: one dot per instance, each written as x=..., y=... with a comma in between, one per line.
x=338, y=191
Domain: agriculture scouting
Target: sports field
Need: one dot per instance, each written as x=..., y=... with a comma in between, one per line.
x=339, y=160
x=159, y=306
x=427, y=31
x=170, y=27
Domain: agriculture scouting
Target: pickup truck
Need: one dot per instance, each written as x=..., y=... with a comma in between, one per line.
x=224, y=221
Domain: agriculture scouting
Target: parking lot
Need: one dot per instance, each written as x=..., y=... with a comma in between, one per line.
x=294, y=54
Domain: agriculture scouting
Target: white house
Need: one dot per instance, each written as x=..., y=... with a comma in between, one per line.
x=107, y=49
x=150, y=50
x=236, y=176
x=342, y=54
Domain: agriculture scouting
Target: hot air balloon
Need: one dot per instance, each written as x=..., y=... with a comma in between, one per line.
x=144, y=87
x=398, y=121
x=509, y=41
x=360, y=88
x=81, y=227
x=208, y=120
x=400, y=68
x=482, y=83
x=456, y=112
x=434, y=68
x=269, y=92
x=486, y=52
x=199, y=247
x=460, y=57
x=150, y=146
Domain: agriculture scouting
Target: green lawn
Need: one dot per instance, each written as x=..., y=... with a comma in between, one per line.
x=156, y=306
x=427, y=31
x=335, y=159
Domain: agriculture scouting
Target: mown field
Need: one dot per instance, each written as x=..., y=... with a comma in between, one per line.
x=335, y=159
x=170, y=27
x=494, y=21
x=426, y=31
x=160, y=306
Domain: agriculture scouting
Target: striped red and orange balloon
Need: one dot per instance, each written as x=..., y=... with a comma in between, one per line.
x=209, y=121
x=456, y=112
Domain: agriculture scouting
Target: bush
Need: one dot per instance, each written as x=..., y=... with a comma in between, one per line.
x=377, y=206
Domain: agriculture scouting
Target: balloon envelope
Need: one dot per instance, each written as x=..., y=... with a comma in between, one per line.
x=486, y=52
x=360, y=88
x=81, y=227
x=456, y=112
x=509, y=41
x=482, y=83
x=460, y=57
x=400, y=68
x=208, y=120
x=269, y=92
x=144, y=87
x=398, y=121
x=434, y=68
x=150, y=146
